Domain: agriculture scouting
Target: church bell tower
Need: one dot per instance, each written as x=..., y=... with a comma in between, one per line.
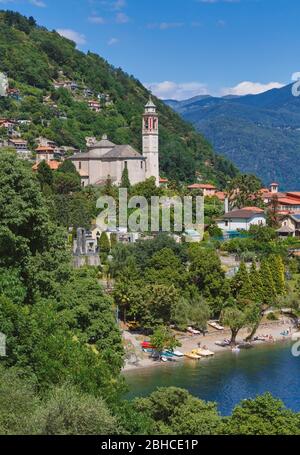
x=150, y=141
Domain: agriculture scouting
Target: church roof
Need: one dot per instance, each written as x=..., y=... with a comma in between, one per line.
x=122, y=151
x=104, y=143
x=107, y=150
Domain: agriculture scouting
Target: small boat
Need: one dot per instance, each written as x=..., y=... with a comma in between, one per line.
x=167, y=354
x=203, y=352
x=147, y=345
x=192, y=355
x=163, y=359
x=177, y=353
x=235, y=349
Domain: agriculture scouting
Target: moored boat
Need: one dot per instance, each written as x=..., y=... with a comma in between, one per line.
x=203, y=352
x=192, y=355
x=177, y=353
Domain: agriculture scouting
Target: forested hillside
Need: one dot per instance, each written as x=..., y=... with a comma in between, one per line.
x=33, y=58
x=259, y=133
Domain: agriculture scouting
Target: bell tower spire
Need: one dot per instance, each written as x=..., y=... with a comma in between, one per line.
x=151, y=140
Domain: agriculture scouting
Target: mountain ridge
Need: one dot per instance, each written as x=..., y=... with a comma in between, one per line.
x=259, y=133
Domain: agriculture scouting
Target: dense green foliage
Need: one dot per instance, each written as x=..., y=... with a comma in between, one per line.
x=59, y=324
x=33, y=57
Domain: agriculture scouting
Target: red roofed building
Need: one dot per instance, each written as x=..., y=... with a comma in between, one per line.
x=207, y=188
x=44, y=153
x=163, y=181
x=54, y=165
x=220, y=195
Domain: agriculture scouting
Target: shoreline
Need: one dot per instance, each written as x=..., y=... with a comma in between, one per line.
x=189, y=342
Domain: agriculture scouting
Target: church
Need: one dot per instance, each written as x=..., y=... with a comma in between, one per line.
x=104, y=159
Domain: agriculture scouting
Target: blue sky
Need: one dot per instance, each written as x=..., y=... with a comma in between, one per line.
x=182, y=48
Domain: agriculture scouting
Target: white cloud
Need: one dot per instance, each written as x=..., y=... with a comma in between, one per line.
x=113, y=41
x=122, y=18
x=38, y=3
x=165, y=25
x=77, y=37
x=96, y=20
x=248, y=87
x=177, y=91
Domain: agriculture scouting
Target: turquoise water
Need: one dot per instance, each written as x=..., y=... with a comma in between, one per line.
x=228, y=377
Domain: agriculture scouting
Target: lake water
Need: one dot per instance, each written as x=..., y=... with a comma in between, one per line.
x=228, y=377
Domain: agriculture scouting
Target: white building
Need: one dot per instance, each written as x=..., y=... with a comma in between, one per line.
x=242, y=219
x=104, y=159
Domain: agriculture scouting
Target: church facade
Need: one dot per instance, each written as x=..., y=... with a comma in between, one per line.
x=104, y=159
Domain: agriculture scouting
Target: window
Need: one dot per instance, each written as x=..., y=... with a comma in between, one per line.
x=126, y=164
x=141, y=164
x=226, y=223
x=79, y=164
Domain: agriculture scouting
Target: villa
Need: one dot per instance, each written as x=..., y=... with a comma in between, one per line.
x=242, y=219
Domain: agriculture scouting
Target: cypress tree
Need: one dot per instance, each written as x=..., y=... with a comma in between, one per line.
x=125, y=182
x=277, y=268
x=268, y=285
x=240, y=279
x=256, y=285
x=104, y=243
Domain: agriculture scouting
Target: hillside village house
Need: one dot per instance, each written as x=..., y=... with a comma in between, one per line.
x=242, y=219
x=104, y=159
x=206, y=188
x=94, y=106
x=44, y=153
x=21, y=147
x=290, y=226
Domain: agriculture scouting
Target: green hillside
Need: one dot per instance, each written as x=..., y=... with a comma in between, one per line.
x=33, y=58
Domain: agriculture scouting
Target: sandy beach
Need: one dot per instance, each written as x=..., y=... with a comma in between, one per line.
x=272, y=329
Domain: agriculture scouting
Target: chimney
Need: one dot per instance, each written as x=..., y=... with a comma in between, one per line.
x=274, y=187
x=226, y=205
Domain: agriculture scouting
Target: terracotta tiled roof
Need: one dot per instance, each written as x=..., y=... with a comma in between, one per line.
x=220, y=195
x=202, y=186
x=289, y=201
x=44, y=148
x=54, y=165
